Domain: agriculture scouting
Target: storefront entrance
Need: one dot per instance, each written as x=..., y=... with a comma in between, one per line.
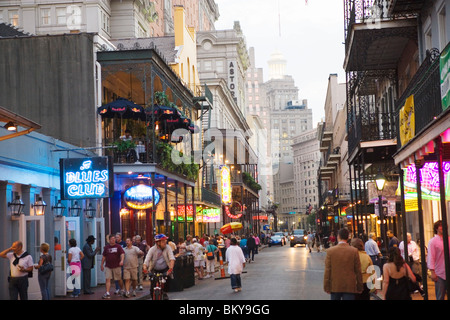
x=66, y=228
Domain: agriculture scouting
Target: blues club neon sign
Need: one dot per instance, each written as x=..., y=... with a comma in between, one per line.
x=140, y=197
x=86, y=178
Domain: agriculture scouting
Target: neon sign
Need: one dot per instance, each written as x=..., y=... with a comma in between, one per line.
x=211, y=215
x=189, y=211
x=429, y=179
x=83, y=178
x=226, y=185
x=140, y=197
x=235, y=211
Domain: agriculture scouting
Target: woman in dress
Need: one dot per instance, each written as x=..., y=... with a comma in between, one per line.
x=395, y=277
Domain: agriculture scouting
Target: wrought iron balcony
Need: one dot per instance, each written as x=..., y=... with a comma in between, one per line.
x=362, y=11
x=374, y=38
x=371, y=127
x=425, y=86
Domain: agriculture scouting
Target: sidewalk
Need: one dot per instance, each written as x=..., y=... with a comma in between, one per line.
x=100, y=290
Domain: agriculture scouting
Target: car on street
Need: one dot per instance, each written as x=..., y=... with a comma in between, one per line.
x=298, y=237
x=283, y=237
x=276, y=239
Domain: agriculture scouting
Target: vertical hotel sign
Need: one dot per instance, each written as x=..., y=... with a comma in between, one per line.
x=444, y=64
x=232, y=79
x=225, y=183
x=86, y=178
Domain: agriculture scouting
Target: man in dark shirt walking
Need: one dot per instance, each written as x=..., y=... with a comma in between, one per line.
x=251, y=245
x=393, y=241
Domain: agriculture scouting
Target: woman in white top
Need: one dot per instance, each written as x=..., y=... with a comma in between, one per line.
x=75, y=256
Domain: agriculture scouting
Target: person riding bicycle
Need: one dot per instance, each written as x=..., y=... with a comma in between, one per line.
x=160, y=259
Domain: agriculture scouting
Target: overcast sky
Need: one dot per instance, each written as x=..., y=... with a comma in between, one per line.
x=311, y=40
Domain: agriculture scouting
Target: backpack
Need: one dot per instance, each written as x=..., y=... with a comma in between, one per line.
x=210, y=254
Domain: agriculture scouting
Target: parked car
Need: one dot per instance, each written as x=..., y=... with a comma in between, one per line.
x=283, y=237
x=276, y=239
x=298, y=237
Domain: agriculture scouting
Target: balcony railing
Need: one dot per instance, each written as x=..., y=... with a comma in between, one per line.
x=138, y=153
x=205, y=195
x=371, y=127
x=365, y=11
x=425, y=86
x=331, y=151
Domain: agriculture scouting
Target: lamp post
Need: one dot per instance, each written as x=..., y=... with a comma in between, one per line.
x=380, y=181
x=39, y=207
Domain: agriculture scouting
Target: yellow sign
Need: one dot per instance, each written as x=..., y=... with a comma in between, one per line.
x=407, y=121
x=411, y=205
x=225, y=176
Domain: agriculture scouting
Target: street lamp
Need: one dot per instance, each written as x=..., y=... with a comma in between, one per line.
x=16, y=206
x=59, y=209
x=75, y=210
x=39, y=207
x=380, y=181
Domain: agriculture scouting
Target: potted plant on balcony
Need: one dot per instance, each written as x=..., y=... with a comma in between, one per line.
x=249, y=181
x=161, y=98
x=164, y=154
x=122, y=149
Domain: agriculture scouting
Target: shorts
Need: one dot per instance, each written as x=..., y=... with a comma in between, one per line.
x=198, y=263
x=114, y=274
x=130, y=273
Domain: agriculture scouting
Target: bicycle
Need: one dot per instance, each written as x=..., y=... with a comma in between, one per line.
x=158, y=283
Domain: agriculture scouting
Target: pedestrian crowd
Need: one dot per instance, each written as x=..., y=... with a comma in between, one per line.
x=350, y=263
x=127, y=263
x=351, y=266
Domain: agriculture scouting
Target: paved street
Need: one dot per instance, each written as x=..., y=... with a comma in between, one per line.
x=278, y=273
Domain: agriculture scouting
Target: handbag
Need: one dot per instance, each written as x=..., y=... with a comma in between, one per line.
x=47, y=265
x=45, y=268
x=412, y=286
